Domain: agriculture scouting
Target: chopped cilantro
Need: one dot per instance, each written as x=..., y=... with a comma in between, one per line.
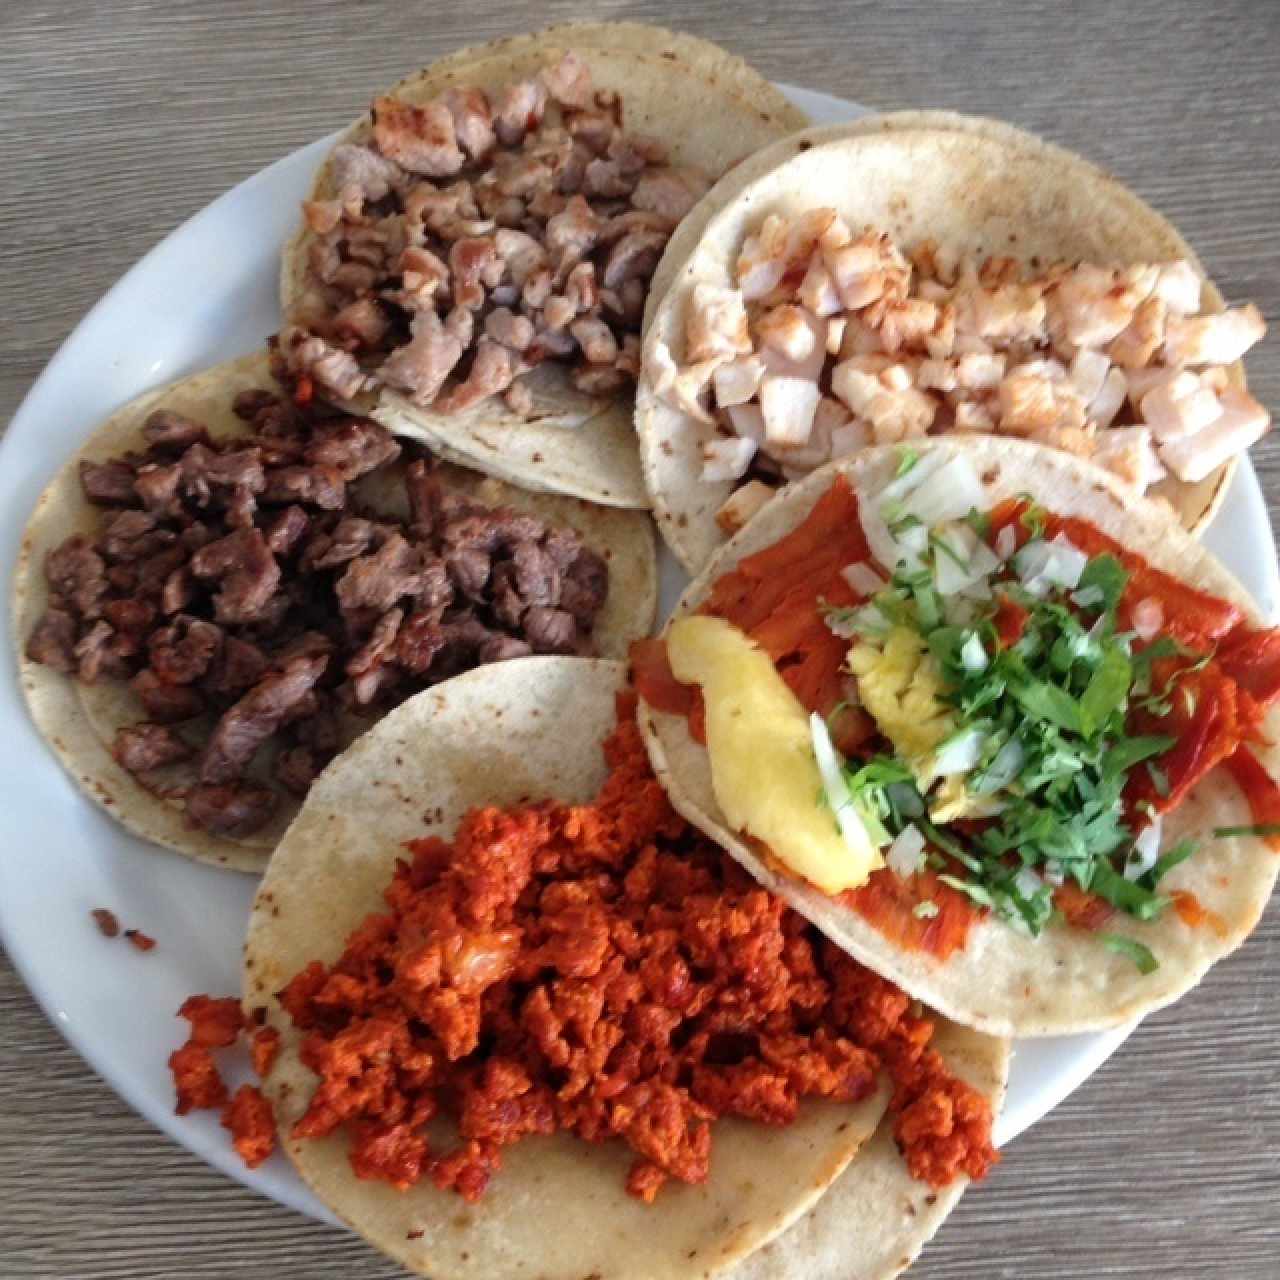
x=1107, y=575
x=907, y=458
x=1034, y=518
x=1140, y=955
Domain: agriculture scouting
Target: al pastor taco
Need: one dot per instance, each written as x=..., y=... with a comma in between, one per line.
x=476, y=252
x=1002, y=733
x=222, y=589
x=924, y=273
x=531, y=1022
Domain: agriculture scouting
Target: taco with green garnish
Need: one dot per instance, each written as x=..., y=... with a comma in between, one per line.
x=1003, y=736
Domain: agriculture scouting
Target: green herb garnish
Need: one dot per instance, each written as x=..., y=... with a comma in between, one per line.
x=1140, y=955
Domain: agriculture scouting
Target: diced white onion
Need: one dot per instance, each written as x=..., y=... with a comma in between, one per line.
x=1148, y=617
x=970, y=560
x=1003, y=769
x=973, y=657
x=1042, y=565
x=863, y=578
x=905, y=856
x=1146, y=849
x=946, y=494
x=1087, y=597
x=1006, y=542
x=959, y=753
x=835, y=786
x=1027, y=883
x=866, y=620
x=1053, y=873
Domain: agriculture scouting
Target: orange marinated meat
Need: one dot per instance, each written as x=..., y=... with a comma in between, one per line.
x=253, y=1128
x=605, y=970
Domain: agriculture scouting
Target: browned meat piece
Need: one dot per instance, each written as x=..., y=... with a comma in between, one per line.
x=255, y=717
x=132, y=535
x=468, y=569
x=418, y=642
x=310, y=644
x=177, y=592
x=296, y=769
x=246, y=571
x=423, y=491
x=634, y=257
x=500, y=648
x=593, y=129
x=107, y=483
x=469, y=259
x=355, y=448
x=143, y=747
x=363, y=322
x=131, y=617
x=605, y=179
x=352, y=536
x=596, y=339
x=335, y=370
x=670, y=192
x=572, y=233
x=585, y=587
x=472, y=121
x=320, y=731
x=537, y=580
x=379, y=580
x=569, y=81
x=237, y=666
x=166, y=703
x=508, y=606
x=165, y=430
x=490, y=528
x=419, y=139
x=52, y=643
x=373, y=176
x=94, y=653
x=287, y=530
x=519, y=110
x=511, y=330
x=250, y=405
x=182, y=652
x=492, y=371
x=236, y=810
x=157, y=486
x=240, y=509
x=420, y=367
x=319, y=487
x=153, y=573
x=364, y=665
x=550, y=630
x=75, y=571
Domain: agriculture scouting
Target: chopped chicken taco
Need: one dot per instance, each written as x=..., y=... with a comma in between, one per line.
x=223, y=588
x=920, y=274
x=512, y=987
x=1003, y=734
x=476, y=253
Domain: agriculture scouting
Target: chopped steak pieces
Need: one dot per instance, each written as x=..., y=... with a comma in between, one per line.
x=471, y=239
x=252, y=599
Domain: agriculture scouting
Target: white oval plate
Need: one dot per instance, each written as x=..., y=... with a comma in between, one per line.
x=205, y=294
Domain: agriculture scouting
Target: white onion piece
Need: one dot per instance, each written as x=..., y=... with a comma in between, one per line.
x=1087, y=597
x=1148, y=617
x=1053, y=873
x=863, y=578
x=949, y=493
x=836, y=787
x=905, y=856
x=1042, y=565
x=1027, y=883
x=958, y=754
x=973, y=656
x=1006, y=542
x=864, y=621
x=1146, y=849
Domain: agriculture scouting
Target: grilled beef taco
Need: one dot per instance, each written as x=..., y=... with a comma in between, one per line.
x=1003, y=734
x=514, y=989
x=476, y=252
x=920, y=273
x=222, y=589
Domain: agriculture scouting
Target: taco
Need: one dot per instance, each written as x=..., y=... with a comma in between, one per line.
x=575, y=1032
x=221, y=589
x=921, y=273
x=1003, y=734
x=476, y=252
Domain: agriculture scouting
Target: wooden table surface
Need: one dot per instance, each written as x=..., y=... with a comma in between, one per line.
x=119, y=120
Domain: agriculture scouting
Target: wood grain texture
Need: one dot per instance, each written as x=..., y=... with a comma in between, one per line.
x=118, y=121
